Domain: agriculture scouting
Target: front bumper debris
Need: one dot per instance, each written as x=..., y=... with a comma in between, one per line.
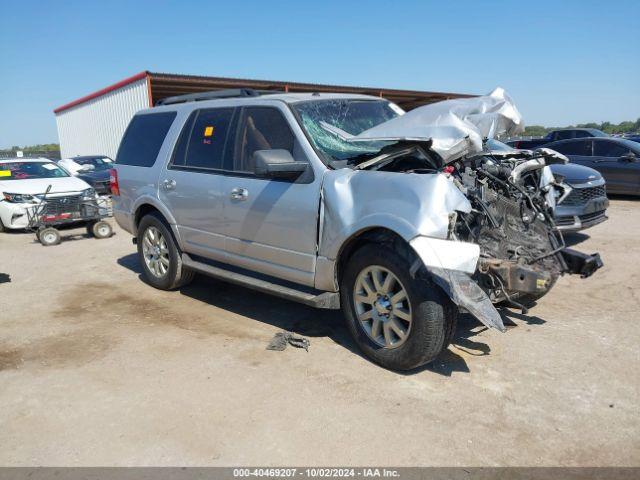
x=515, y=277
x=466, y=293
x=579, y=263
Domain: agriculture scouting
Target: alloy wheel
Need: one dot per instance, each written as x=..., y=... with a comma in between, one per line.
x=382, y=306
x=155, y=251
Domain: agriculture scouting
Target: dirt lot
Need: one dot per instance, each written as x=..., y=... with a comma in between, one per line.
x=97, y=368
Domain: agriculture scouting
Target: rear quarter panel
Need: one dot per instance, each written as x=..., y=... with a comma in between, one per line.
x=139, y=185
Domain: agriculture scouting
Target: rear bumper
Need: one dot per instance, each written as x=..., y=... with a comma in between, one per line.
x=124, y=220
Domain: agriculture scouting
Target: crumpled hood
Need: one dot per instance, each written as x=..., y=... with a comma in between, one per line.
x=454, y=127
x=40, y=185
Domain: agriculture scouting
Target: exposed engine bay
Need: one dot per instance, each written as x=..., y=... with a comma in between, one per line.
x=512, y=197
x=479, y=218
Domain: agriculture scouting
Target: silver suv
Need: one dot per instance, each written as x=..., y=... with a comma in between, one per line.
x=345, y=201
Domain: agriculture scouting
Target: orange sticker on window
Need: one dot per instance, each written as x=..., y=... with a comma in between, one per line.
x=5, y=173
x=208, y=131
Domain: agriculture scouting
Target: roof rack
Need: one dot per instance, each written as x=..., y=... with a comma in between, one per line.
x=214, y=94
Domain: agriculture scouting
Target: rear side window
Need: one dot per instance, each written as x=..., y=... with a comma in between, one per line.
x=204, y=138
x=143, y=139
x=610, y=149
x=582, y=134
x=563, y=135
x=577, y=147
x=261, y=128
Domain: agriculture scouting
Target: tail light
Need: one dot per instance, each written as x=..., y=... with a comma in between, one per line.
x=113, y=182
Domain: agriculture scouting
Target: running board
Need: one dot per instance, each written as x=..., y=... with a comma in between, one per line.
x=327, y=300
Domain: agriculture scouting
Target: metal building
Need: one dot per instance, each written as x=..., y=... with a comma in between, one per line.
x=95, y=123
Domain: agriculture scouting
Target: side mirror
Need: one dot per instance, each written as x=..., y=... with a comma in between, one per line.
x=628, y=157
x=277, y=164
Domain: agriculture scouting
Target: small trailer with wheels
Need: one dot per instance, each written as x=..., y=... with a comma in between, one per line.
x=54, y=211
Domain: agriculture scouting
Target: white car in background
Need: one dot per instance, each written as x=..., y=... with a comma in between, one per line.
x=86, y=163
x=23, y=183
x=93, y=169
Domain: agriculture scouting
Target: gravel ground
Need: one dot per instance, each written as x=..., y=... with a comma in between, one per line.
x=97, y=368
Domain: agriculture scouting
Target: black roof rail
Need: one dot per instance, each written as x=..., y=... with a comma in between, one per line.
x=214, y=94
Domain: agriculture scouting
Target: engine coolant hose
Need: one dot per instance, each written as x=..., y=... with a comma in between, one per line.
x=519, y=170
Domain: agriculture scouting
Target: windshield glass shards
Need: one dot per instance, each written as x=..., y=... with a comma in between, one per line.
x=329, y=122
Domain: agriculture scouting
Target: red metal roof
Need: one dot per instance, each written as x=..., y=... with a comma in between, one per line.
x=110, y=88
x=163, y=85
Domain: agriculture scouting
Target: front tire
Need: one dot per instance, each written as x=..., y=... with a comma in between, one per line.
x=160, y=256
x=398, y=321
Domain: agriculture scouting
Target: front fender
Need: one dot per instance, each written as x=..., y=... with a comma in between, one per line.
x=408, y=204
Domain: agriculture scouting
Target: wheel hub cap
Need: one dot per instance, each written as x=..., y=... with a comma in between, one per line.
x=383, y=306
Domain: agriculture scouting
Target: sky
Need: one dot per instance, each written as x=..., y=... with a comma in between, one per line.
x=563, y=62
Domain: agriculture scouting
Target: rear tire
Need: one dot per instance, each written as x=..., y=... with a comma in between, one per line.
x=49, y=236
x=432, y=314
x=159, y=255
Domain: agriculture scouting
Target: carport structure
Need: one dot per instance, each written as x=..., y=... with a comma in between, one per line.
x=164, y=85
x=95, y=123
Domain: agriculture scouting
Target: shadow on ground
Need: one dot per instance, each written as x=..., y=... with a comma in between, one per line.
x=620, y=196
x=314, y=323
x=575, y=238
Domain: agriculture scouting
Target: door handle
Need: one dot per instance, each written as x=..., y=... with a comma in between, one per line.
x=239, y=194
x=169, y=184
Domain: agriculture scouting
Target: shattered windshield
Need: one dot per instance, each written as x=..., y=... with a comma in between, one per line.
x=349, y=116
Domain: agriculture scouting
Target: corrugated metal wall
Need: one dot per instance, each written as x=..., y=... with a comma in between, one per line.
x=96, y=127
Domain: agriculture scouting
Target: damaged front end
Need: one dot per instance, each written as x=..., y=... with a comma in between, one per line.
x=521, y=253
x=502, y=247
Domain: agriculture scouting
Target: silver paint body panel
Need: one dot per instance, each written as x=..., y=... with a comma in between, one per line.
x=289, y=230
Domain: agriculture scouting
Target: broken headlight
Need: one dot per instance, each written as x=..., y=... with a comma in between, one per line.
x=18, y=198
x=89, y=194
